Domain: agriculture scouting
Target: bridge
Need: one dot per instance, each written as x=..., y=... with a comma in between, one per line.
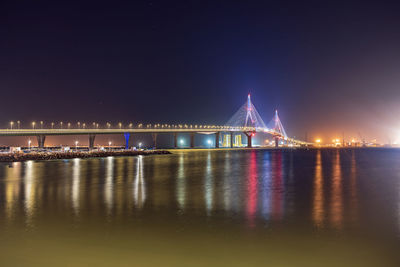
x=246, y=120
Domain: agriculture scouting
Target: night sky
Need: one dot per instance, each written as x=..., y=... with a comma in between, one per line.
x=327, y=68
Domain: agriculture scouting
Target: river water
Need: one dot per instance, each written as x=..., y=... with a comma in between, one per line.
x=327, y=207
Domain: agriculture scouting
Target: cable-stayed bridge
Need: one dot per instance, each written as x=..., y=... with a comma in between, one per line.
x=245, y=121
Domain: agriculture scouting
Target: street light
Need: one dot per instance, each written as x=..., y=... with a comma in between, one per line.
x=11, y=124
x=61, y=123
x=76, y=145
x=120, y=125
x=69, y=125
x=33, y=125
x=18, y=122
x=41, y=124
x=109, y=145
x=52, y=125
x=29, y=144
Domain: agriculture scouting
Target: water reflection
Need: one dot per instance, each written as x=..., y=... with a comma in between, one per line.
x=290, y=189
x=76, y=171
x=277, y=202
x=94, y=190
x=208, y=184
x=318, y=202
x=336, y=201
x=180, y=183
x=226, y=185
x=12, y=176
x=29, y=189
x=109, y=184
x=252, y=188
x=353, y=189
x=266, y=187
x=139, y=186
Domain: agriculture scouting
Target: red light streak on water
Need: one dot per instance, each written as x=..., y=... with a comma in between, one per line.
x=252, y=190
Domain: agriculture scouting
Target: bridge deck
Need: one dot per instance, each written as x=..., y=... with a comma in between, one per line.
x=211, y=130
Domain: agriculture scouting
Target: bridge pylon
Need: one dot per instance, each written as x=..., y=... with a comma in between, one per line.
x=41, y=138
x=91, y=140
x=249, y=138
x=247, y=116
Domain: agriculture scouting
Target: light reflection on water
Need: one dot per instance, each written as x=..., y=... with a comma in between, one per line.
x=255, y=185
x=208, y=184
x=266, y=187
x=300, y=191
x=29, y=189
x=318, y=203
x=75, y=185
x=180, y=183
x=252, y=188
x=109, y=184
x=336, y=203
x=139, y=186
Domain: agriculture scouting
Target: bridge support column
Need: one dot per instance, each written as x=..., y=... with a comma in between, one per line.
x=249, y=139
x=217, y=140
x=192, y=140
x=276, y=141
x=41, y=138
x=127, y=136
x=154, y=136
x=91, y=141
x=175, y=140
x=231, y=133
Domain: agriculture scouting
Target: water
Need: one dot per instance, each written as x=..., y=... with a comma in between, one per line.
x=204, y=208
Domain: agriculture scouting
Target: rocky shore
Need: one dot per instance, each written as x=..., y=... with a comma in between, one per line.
x=11, y=157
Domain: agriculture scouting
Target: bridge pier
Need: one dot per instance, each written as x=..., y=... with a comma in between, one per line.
x=276, y=141
x=127, y=136
x=175, y=140
x=231, y=139
x=41, y=138
x=154, y=136
x=91, y=141
x=217, y=140
x=192, y=140
x=249, y=139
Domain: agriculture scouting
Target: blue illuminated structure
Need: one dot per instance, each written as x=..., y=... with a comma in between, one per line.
x=127, y=135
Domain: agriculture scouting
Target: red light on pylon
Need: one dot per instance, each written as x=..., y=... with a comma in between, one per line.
x=253, y=134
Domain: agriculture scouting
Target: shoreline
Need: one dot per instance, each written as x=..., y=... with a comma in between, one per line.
x=56, y=155
x=42, y=156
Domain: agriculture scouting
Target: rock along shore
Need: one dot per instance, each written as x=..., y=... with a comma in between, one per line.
x=11, y=157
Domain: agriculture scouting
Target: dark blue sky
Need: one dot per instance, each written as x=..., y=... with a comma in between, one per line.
x=328, y=67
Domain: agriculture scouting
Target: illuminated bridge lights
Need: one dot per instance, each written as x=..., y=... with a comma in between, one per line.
x=246, y=120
